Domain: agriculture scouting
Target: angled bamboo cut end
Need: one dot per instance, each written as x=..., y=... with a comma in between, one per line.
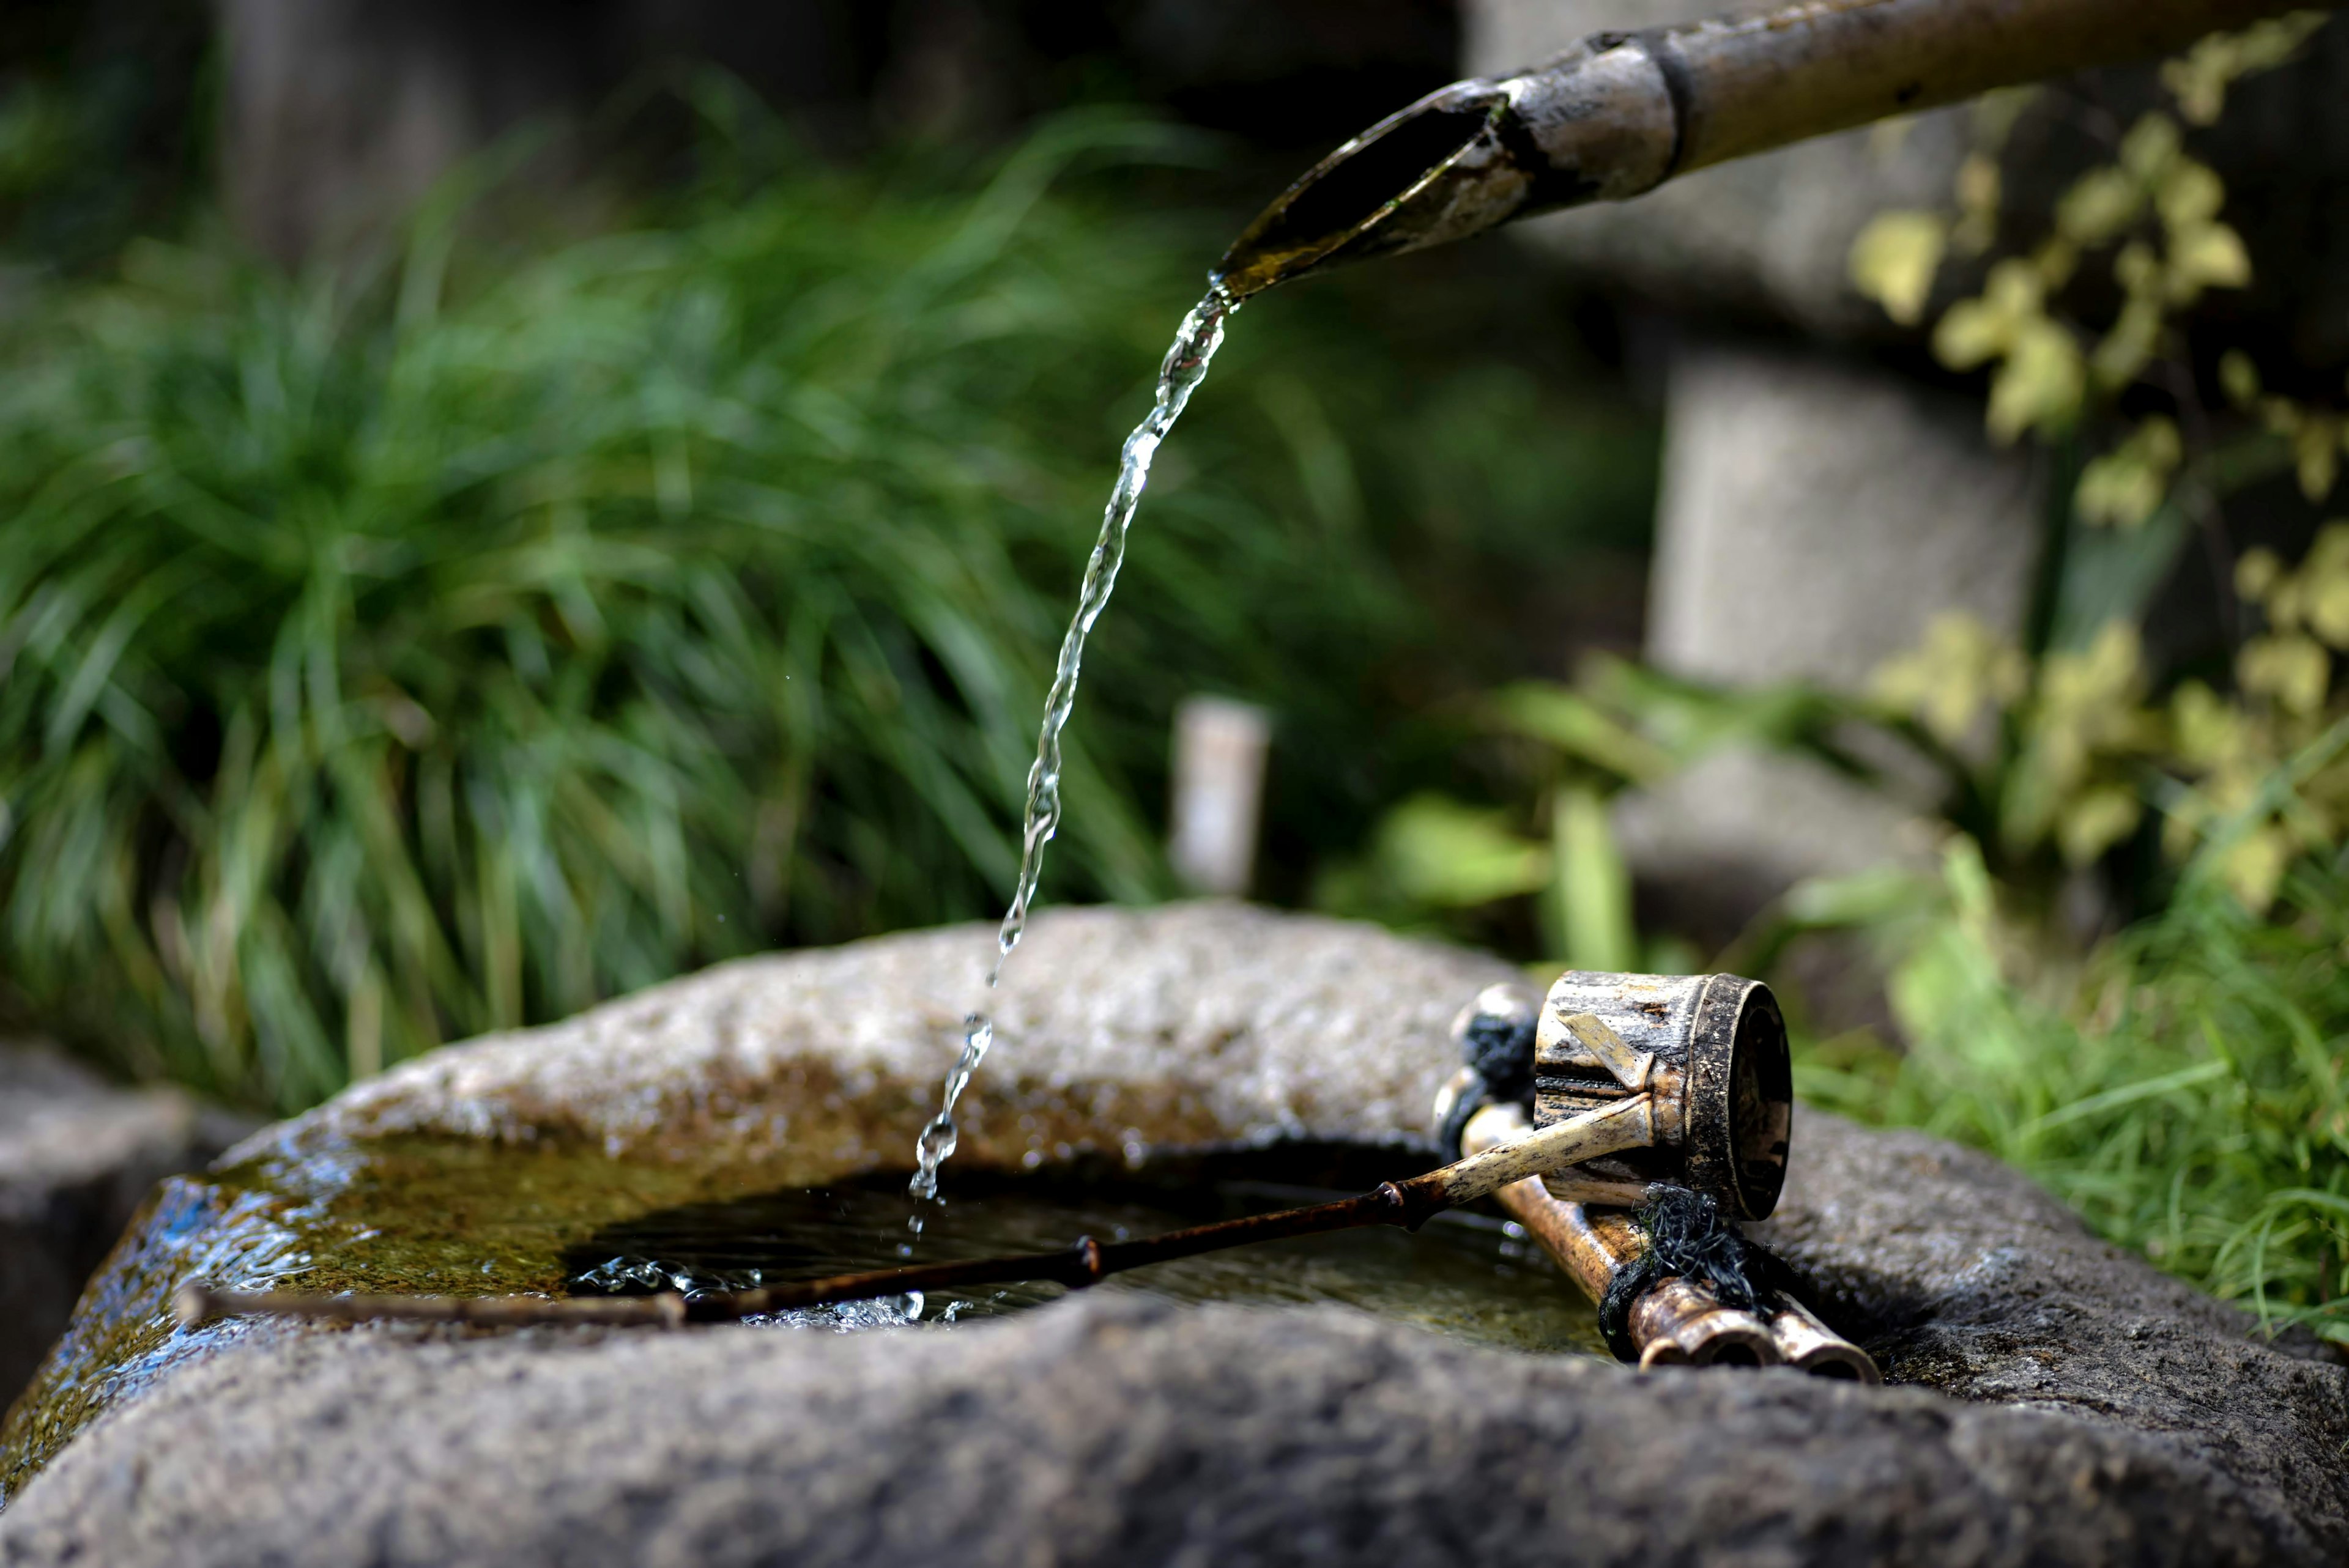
x=1619, y=113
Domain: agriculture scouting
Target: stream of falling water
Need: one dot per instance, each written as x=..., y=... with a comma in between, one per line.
x=1196, y=342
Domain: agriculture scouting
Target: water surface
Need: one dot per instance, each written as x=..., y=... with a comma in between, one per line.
x=417, y=1215
x=1467, y=1276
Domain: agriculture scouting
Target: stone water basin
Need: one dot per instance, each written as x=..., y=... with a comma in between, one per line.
x=418, y=1215
x=2049, y=1398
x=1215, y=1062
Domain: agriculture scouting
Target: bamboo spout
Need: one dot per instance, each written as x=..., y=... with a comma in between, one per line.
x=1619, y=113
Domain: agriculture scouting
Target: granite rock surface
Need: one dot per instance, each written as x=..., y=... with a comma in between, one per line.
x=1191, y=1024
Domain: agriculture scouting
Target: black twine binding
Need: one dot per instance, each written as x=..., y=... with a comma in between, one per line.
x=1499, y=1053
x=1689, y=1235
x=1501, y=1049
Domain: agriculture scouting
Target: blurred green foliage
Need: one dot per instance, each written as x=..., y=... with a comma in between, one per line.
x=2185, y=1086
x=2185, y=1080
x=395, y=655
x=1559, y=753
x=105, y=125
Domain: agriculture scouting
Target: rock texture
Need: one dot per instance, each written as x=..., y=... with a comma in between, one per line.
x=2063, y=1403
x=1097, y=1433
x=75, y=1157
x=1194, y=1024
x=1962, y=1274
x=1120, y=1034
x=1815, y=515
x=2115, y=1418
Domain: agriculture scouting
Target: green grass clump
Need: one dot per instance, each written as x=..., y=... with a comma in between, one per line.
x=2186, y=1089
x=391, y=659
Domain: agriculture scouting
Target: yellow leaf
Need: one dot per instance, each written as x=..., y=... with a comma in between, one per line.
x=1894, y=259
x=2041, y=383
x=2190, y=195
x=2205, y=730
x=1947, y=679
x=2015, y=289
x=1971, y=333
x=2328, y=610
x=2286, y=601
x=2316, y=455
x=2256, y=571
x=1996, y=111
x=2263, y=46
x=2240, y=377
x=2328, y=553
x=2130, y=345
x=2151, y=146
x=2053, y=263
x=1979, y=187
x=2325, y=584
x=2099, y=205
x=2088, y=706
x=2109, y=674
x=2253, y=867
x=2138, y=269
x=2209, y=256
x=2123, y=486
x=2095, y=821
x=2200, y=78
x=2292, y=669
x=2200, y=90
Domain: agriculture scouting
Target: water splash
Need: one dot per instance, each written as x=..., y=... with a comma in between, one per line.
x=1196, y=342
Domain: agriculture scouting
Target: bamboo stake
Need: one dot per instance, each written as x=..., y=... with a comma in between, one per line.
x=1627, y=1124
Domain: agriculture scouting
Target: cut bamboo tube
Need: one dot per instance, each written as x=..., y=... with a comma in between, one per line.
x=1805, y=1342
